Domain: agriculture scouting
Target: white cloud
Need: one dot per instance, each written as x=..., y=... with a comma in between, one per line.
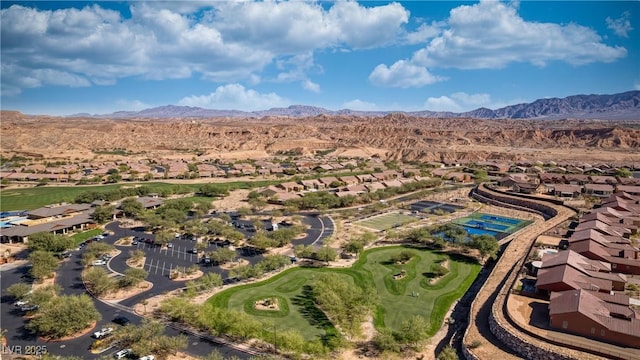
x=358, y=104
x=311, y=86
x=361, y=27
x=235, y=97
x=424, y=33
x=402, y=74
x=620, y=26
x=491, y=35
x=636, y=86
x=220, y=41
x=461, y=101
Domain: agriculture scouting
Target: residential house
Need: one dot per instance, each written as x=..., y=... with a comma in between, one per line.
x=567, y=270
x=392, y=183
x=374, y=186
x=629, y=189
x=599, y=190
x=611, y=180
x=596, y=316
x=311, y=184
x=365, y=178
x=290, y=186
x=570, y=191
x=349, y=180
x=326, y=181
x=576, y=179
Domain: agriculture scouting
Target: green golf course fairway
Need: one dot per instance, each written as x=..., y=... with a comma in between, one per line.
x=399, y=299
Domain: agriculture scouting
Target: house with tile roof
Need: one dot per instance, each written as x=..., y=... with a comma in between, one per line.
x=608, y=319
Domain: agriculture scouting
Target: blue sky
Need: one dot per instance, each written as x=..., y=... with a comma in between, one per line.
x=61, y=58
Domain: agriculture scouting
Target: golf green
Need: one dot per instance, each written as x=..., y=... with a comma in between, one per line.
x=400, y=299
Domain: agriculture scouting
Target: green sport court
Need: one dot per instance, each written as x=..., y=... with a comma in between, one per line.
x=386, y=221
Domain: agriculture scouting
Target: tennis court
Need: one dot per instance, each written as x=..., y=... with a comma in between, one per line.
x=386, y=221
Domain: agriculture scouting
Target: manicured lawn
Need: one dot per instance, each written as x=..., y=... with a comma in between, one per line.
x=386, y=221
x=80, y=237
x=396, y=301
x=290, y=286
x=33, y=198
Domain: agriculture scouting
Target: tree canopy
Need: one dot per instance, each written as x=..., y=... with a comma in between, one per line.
x=47, y=241
x=63, y=316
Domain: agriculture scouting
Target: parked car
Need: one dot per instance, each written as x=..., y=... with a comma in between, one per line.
x=169, y=245
x=147, y=357
x=134, y=242
x=121, y=320
x=21, y=303
x=106, y=257
x=29, y=307
x=122, y=354
x=206, y=260
x=98, y=263
x=104, y=332
x=194, y=251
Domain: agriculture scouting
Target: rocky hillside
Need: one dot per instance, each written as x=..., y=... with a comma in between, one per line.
x=395, y=135
x=618, y=106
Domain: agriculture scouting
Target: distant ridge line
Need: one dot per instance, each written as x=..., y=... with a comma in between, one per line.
x=621, y=106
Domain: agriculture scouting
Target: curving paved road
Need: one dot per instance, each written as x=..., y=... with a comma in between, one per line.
x=159, y=262
x=68, y=277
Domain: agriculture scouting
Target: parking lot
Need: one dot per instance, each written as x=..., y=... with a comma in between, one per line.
x=160, y=261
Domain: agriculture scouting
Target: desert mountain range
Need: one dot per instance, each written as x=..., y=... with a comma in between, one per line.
x=617, y=106
x=392, y=136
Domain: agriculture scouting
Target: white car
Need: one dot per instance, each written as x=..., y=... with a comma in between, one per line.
x=122, y=353
x=98, y=263
x=148, y=357
x=21, y=303
x=27, y=308
x=103, y=332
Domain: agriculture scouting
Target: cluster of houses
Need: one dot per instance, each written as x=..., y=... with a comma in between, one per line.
x=570, y=185
x=57, y=219
x=341, y=186
x=135, y=170
x=588, y=280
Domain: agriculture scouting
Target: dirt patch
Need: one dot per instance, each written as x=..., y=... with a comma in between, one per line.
x=136, y=263
x=122, y=294
x=181, y=356
x=125, y=241
x=234, y=264
x=10, y=250
x=444, y=264
x=269, y=304
x=235, y=200
x=45, y=282
x=181, y=276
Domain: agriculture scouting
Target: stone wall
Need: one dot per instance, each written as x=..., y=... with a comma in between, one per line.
x=522, y=346
x=502, y=199
x=512, y=337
